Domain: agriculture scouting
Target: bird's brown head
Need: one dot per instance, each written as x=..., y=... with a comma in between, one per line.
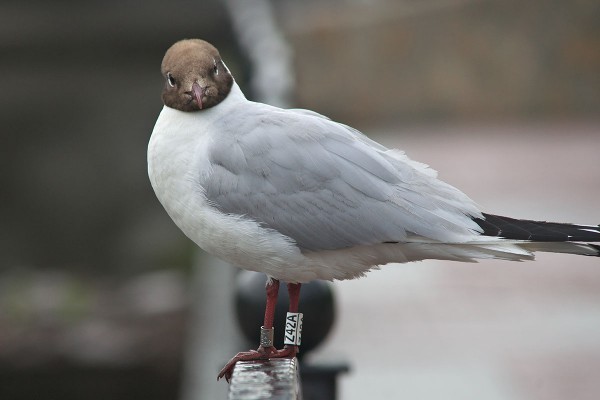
x=195, y=76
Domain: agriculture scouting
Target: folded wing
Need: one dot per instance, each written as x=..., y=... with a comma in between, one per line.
x=327, y=186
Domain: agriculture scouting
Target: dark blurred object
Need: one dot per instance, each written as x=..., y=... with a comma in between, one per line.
x=319, y=381
x=72, y=337
x=74, y=382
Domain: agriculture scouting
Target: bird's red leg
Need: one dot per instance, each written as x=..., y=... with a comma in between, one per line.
x=272, y=289
x=264, y=351
x=290, y=351
x=294, y=293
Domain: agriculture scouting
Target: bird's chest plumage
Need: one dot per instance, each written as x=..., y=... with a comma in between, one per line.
x=178, y=165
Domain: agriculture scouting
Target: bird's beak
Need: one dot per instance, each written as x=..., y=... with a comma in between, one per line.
x=197, y=93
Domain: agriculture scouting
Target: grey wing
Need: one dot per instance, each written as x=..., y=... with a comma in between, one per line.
x=326, y=187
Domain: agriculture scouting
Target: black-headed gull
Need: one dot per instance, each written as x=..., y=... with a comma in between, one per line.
x=299, y=197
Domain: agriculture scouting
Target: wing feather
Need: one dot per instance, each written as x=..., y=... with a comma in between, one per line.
x=326, y=186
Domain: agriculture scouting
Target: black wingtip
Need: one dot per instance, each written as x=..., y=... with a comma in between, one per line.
x=541, y=231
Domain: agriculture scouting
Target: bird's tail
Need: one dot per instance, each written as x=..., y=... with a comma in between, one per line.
x=543, y=236
x=502, y=238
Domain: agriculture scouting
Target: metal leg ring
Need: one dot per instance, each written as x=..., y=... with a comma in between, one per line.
x=266, y=336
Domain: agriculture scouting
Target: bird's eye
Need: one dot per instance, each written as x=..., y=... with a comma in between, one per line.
x=170, y=79
x=215, y=68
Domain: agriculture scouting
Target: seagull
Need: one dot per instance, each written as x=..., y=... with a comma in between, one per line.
x=299, y=197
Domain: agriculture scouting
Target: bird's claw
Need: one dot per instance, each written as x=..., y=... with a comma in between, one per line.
x=262, y=353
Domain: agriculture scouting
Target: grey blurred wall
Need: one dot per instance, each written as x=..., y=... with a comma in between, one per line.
x=415, y=61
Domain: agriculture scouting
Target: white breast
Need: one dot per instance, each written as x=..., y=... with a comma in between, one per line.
x=177, y=158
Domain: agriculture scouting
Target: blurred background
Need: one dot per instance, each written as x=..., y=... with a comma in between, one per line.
x=97, y=284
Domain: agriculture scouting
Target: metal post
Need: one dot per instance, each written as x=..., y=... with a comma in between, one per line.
x=276, y=379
